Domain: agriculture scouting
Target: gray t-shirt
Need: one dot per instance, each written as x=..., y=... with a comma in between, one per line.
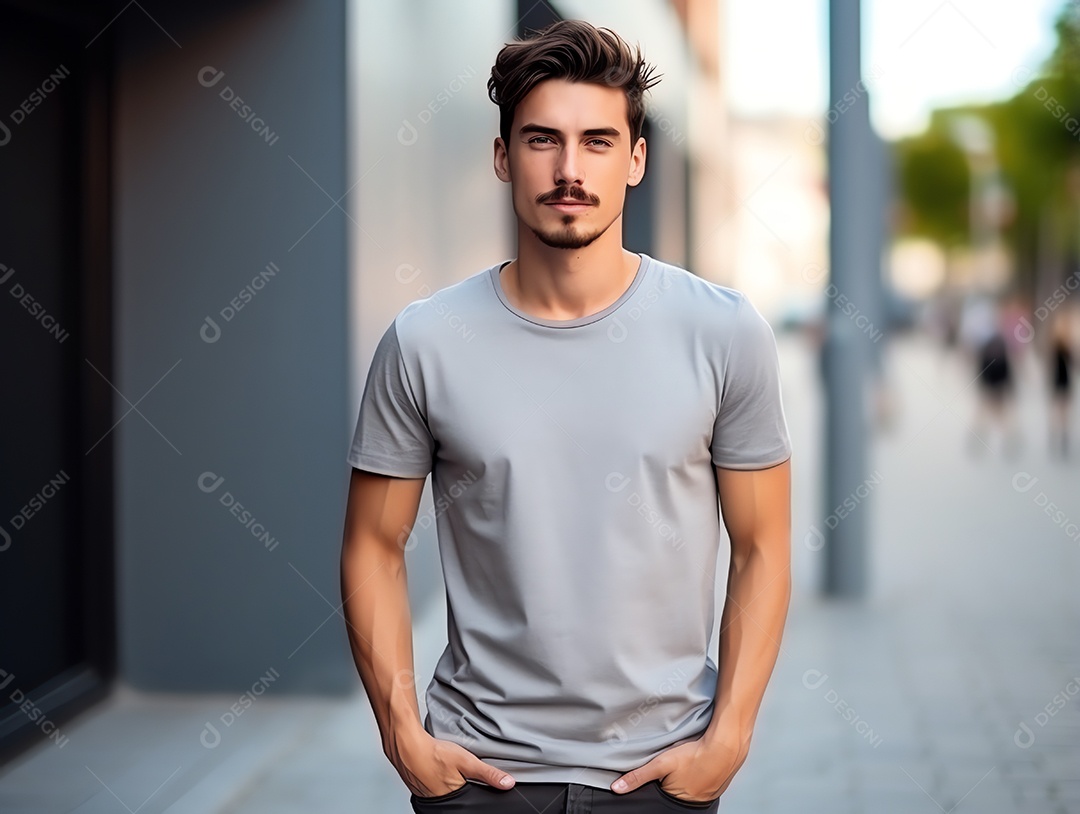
x=576, y=507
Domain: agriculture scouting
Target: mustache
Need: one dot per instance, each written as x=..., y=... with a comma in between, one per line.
x=573, y=193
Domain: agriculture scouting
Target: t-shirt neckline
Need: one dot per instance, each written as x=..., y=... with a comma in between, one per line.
x=493, y=275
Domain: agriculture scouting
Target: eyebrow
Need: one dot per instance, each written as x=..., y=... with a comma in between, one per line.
x=551, y=131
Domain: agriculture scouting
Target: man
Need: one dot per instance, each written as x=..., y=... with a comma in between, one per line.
x=579, y=416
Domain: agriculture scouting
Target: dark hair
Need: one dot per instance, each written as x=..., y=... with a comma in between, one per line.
x=579, y=52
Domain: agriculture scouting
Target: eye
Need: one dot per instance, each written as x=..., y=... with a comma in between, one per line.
x=534, y=138
x=605, y=143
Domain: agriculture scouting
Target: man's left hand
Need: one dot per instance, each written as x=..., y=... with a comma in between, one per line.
x=696, y=771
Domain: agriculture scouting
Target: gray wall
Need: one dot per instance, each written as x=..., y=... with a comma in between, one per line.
x=203, y=203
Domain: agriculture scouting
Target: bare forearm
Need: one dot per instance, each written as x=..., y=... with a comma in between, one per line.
x=375, y=591
x=759, y=591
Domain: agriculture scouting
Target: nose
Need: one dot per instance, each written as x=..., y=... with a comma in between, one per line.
x=568, y=168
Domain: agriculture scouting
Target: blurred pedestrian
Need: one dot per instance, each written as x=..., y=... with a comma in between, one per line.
x=1061, y=361
x=983, y=336
x=997, y=386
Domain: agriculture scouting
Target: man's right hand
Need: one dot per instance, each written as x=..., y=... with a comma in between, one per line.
x=431, y=767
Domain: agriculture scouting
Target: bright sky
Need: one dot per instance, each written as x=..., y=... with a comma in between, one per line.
x=918, y=55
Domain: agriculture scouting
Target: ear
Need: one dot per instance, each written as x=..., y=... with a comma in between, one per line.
x=502, y=160
x=637, y=163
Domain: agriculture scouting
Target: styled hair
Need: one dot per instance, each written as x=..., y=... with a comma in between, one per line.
x=578, y=52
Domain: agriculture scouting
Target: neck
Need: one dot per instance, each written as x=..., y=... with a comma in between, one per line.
x=568, y=283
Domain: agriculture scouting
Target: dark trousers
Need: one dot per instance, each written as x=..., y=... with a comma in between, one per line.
x=557, y=798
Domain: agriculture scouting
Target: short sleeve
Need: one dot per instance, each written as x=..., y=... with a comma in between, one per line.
x=391, y=435
x=750, y=430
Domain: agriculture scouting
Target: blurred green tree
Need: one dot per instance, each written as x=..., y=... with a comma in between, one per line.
x=1037, y=146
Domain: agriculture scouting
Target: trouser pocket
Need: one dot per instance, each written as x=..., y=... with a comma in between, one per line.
x=687, y=805
x=453, y=794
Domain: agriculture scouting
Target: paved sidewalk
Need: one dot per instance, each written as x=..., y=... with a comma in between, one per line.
x=955, y=687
